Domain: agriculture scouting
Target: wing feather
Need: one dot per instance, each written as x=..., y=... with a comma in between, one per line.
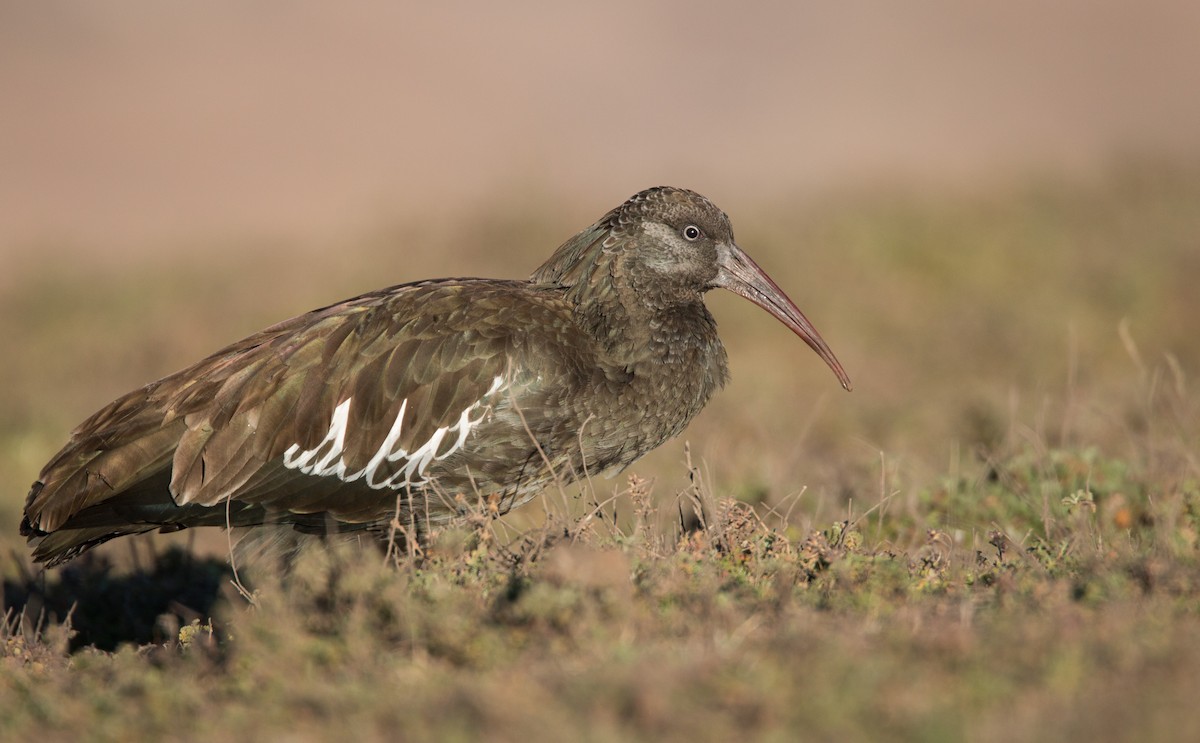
x=223, y=426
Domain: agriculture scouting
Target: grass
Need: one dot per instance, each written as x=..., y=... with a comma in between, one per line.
x=993, y=538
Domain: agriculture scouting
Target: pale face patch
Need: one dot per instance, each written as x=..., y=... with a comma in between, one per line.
x=325, y=459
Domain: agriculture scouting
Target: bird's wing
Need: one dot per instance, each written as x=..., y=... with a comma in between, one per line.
x=358, y=397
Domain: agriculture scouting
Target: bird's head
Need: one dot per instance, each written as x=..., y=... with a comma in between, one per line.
x=676, y=241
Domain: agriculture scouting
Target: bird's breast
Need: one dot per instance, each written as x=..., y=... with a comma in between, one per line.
x=629, y=407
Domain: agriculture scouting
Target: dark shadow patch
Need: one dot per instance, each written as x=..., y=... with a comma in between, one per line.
x=108, y=609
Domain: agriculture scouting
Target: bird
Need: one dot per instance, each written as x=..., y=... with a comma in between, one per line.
x=422, y=400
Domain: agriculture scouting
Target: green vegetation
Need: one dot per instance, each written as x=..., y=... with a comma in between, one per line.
x=995, y=537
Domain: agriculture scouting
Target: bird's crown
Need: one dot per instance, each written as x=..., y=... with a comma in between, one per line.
x=576, y=260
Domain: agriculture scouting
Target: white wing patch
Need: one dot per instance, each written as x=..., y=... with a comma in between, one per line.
x=330, y=463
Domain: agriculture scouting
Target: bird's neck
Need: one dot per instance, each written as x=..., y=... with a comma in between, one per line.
x=633, y=321
x=634, y=329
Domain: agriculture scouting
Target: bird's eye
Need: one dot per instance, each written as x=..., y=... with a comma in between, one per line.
x=692, y=232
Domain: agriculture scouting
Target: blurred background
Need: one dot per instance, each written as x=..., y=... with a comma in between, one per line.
x=141, y=123
x=990, y=212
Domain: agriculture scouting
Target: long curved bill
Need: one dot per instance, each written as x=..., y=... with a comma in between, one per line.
x=741, y=275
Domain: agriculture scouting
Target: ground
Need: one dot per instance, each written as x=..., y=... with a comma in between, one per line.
x=994, y=537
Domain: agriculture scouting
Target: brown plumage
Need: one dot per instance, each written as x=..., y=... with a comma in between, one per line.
x=421, y=393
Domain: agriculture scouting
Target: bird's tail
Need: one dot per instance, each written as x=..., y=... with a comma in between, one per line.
x=60, y=546
x=149, y=507
x=144, y=508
